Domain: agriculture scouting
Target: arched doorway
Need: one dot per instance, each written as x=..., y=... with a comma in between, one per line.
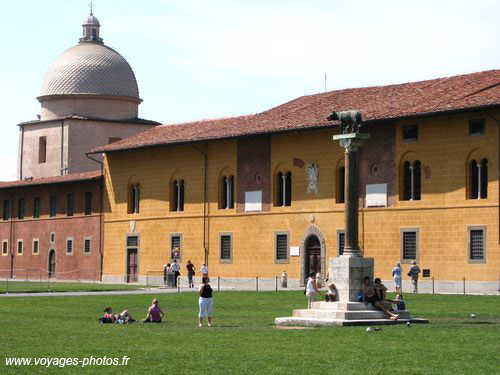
x=52, y=263
x=312, y=261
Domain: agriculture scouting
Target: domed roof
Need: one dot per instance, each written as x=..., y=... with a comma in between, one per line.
x=90, y=20
x=90, y=68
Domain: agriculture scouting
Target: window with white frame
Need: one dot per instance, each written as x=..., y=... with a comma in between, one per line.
x=283, y=194
x=5, y=247
x=20, y=247
x=412, y=181
x=87, y=245
x=478, y=179
x=477, y=244
x=177, y=196
x=409, y=244
x=226, y=200
x=69, y=246
x=282, y=247
x=36, y=246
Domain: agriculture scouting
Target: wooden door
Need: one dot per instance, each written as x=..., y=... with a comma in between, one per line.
x=52, y=264
x=313, y=255
x=131, y=265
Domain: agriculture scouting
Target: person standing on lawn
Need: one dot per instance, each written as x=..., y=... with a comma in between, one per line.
x=311, y=289
x=190, y=272
x=397, y=271
x=205, y=302
x=413, y=273
x=176, y=270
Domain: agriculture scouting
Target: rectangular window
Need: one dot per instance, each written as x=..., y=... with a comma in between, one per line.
x=36, y=246
x=282, y=247
x=410, y=133
x=88, y=203
x=69, y=206
x=69, y=246
x=132, y=241
x=20, y=209
x=19, y=247
x=6, y=209
x=42, y=150
x=409, y=244
x=36, y=207
x=226, y=247
x=340, y=241
x=476, y=127
x=53, y=205
x=87, y=245
x=477, y=244
x=5, y=248
x=176, y=246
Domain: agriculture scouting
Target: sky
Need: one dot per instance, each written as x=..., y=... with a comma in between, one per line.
x=196, y=59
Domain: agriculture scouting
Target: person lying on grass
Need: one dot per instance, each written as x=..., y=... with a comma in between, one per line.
x=123, y=317
x=154, y=313
x=370, y=296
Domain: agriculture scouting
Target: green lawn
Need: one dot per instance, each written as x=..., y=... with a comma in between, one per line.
x=45, y=286
x=244, y=339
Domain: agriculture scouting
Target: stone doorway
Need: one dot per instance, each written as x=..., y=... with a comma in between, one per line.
x=52, y=263
x=131, y=265
x=312, y=253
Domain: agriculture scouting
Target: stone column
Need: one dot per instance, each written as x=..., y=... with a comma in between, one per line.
x=348, y=270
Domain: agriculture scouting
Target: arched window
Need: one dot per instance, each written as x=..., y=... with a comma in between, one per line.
x=226, y=199
x=177, y=196
x=134, y=199
x=412, y=181
x=341, y=185
x=283, y=189
x=478, y=179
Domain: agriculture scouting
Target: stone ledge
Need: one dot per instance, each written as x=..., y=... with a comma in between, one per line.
x=316, y=322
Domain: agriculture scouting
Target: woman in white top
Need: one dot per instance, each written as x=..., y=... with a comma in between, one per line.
x=204, y=270
x=311, y=289
x=396, y=274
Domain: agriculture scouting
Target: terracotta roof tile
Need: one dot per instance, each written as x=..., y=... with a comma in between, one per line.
x=462, y=92
x=74, y=177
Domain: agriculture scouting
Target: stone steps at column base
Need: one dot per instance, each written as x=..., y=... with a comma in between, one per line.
x=346, y=314
x=319, y=322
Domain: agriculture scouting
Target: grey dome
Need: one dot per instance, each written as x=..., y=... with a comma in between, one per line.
x=90, y=68
x=91, y=20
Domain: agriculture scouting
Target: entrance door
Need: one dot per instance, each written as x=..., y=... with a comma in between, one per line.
x=131, y=265
x=313, y=255
x=52, y=263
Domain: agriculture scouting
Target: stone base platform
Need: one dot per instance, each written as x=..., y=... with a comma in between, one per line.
x=343, y=314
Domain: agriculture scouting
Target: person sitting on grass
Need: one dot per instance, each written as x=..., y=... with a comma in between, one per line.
x=123, y=317
x=331, y=295
x=370, y=296
x=154, y=313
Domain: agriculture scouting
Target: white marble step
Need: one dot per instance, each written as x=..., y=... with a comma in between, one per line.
x=316, y=322
x=345, y=315
x=342, y=306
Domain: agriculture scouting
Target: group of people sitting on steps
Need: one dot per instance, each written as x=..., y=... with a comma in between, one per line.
x=375, y=293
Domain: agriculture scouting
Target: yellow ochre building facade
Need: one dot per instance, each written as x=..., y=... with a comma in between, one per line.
x=253, y=196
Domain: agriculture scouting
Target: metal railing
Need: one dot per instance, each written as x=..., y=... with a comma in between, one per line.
x=36, y=280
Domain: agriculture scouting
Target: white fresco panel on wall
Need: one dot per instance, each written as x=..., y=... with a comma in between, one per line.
x=376, y=195
x=253, y=201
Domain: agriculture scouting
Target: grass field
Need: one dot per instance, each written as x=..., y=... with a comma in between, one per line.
x=38, y=287
x=244, y=339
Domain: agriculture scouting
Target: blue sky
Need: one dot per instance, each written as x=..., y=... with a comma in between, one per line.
x=205, y=59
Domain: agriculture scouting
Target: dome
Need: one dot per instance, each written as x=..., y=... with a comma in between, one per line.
x=91, y=20
x=90, y=68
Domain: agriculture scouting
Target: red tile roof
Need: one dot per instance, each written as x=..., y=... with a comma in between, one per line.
x=469, y=91
x=74, y=177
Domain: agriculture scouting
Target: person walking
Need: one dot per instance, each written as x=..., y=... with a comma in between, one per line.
x=311, y=289
x=205, y=302
x=176, y=270
x=190, y=272
x=397, y=271
x=413, y=273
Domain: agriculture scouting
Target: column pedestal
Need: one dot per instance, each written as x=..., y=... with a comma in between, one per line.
x=347, y=273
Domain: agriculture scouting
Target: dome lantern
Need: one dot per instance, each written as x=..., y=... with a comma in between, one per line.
x=91, y=29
